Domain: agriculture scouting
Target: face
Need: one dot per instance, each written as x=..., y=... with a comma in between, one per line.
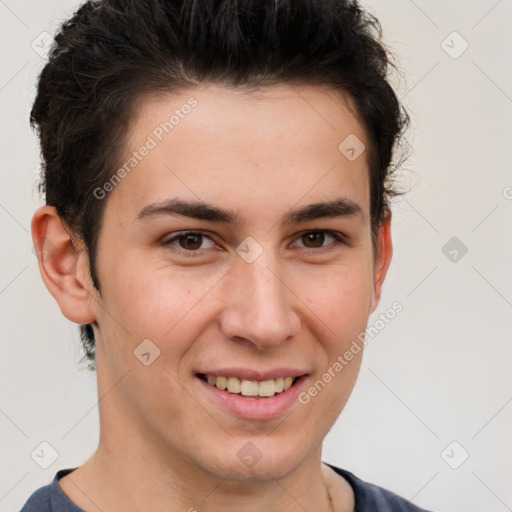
x=212, y=255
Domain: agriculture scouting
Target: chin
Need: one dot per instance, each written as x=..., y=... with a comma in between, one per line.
x=255, y=459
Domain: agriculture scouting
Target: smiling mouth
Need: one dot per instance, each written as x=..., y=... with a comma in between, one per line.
x=249, y=388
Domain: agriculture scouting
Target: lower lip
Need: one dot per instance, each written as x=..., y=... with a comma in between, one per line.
x=255, y=408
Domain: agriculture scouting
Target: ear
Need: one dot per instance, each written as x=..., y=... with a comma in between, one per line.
x=64, y=266
x=382, y=258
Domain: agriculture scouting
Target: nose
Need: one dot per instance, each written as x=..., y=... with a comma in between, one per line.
x=259, y=304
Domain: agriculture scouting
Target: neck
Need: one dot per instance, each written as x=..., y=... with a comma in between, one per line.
x=131, y=479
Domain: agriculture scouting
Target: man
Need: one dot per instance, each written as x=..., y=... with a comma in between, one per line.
x=217, y=179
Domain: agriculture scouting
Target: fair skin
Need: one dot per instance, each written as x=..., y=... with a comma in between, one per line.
x=168, y=440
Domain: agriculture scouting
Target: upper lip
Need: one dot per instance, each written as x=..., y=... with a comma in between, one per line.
x=251, y=374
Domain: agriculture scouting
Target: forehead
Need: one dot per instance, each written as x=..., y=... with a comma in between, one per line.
x=277, y=146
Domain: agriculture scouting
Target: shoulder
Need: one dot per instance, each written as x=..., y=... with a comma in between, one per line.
x=51, y=497
x=39, y=501
x=372, y=497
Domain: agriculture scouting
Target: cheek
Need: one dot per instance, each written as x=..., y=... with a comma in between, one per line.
x=340, y=302
x=340, y=299
x=161, y=304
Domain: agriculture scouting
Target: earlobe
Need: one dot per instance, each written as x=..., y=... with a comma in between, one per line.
x=61, y=264
x=382, y=259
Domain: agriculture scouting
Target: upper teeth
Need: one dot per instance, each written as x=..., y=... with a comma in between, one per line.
x=251, y=387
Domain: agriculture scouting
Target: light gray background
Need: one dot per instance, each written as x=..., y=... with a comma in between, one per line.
x=438, y=373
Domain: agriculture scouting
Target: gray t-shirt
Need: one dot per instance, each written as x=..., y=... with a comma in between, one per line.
x=368, y=497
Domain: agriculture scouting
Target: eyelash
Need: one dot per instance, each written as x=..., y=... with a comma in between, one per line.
x=338, y=237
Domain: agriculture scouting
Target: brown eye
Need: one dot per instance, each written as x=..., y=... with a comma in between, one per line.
x=190, y=241
x=313, y=239
x=320, y=239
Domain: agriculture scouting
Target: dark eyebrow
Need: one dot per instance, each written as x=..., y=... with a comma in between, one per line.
x=194, y=209
x=341, y=207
